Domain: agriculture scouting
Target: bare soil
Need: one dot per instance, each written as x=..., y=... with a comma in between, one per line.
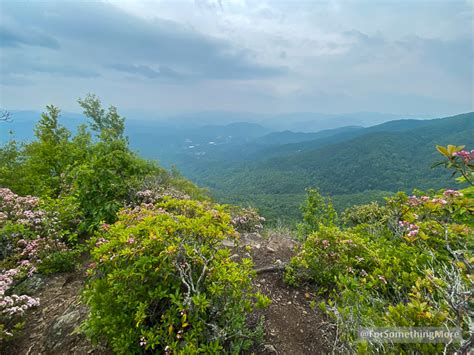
x=291, y=325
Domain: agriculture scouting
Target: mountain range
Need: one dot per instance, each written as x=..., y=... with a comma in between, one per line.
x=252, y=164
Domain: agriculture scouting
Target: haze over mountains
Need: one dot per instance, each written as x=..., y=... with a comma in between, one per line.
x=246, y=162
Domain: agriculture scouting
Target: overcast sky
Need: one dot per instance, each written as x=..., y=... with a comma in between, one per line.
x=403, y=57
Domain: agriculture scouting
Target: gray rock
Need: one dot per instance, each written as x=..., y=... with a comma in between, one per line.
x=270, y=349
x=63, y=333
x=29, y=286
x=228, y=243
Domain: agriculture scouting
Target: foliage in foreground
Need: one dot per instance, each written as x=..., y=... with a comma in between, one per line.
x=96, y=166
x=35, y=236
x=178, y=291
x=59, y=188
x=408, y=264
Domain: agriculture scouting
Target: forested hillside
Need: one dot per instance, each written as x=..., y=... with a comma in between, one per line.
x=353, y=166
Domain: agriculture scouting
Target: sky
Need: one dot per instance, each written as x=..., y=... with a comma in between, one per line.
x=401, y=57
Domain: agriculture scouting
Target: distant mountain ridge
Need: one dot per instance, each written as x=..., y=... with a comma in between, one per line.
x=245, y=161
x=393, y=156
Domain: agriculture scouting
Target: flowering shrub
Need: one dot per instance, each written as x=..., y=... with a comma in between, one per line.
x=247, y=220
x=95, y=167
x=13, y=307
x=459, y=160
x=162, y=282
x=32, y=233
x=411, y=268
x=157, y=193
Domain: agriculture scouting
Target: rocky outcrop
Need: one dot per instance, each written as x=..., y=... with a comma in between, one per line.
x=54, y=327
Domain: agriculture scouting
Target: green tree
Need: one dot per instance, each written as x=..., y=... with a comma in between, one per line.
x=108, y=125
x=317, y=210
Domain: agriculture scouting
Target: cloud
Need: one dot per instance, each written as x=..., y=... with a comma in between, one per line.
x=104, y=31
x=329, y=56
x=14, y=38
x=22, y=66
x=145, y=71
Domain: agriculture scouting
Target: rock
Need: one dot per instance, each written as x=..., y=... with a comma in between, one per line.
x=235, y=257
x=63, y=332
x=270, y=349
x=271, y=250
x=228, y=243
x=29, y=286
x=252, y=239
x=281, y=244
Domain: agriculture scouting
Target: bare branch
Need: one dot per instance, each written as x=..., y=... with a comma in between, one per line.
x=5, y=116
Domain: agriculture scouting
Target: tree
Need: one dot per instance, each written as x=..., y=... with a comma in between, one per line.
x=317, y=210
x=108, y=125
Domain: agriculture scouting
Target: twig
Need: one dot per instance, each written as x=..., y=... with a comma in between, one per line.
x=270, y=268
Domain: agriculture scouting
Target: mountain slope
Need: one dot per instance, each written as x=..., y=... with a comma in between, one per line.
x=389, y=157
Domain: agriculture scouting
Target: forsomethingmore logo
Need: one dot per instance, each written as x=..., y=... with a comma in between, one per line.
x=410, y=335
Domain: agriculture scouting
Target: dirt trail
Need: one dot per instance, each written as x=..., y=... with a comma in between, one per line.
x=291, y=326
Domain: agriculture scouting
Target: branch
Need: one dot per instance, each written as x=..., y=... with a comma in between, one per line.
x=270, y=268
x=5, y=116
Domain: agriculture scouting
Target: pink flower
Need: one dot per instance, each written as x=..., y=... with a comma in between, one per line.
x=413, y=201
x=452, y=193
x=131, y=240
x=439, y=201
x=412, y=233
x=465, y=155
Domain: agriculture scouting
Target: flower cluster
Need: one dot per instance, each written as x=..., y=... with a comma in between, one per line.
x=22, y=209
x=410, y=228
x=17, y=305
x=452, y=193
x=325, y=243
x=31, y=250
x=466, y=156
x=14, y=306
x=248, y=220
x=151, y=196
x=414, y=201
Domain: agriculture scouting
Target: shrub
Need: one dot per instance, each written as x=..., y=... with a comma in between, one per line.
x=247, y=220
x=177, y=289
x=317, y=211
x=411, y=268
x=59, y=261
x=13, y=306
x=33, y=236
x=371, y=213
